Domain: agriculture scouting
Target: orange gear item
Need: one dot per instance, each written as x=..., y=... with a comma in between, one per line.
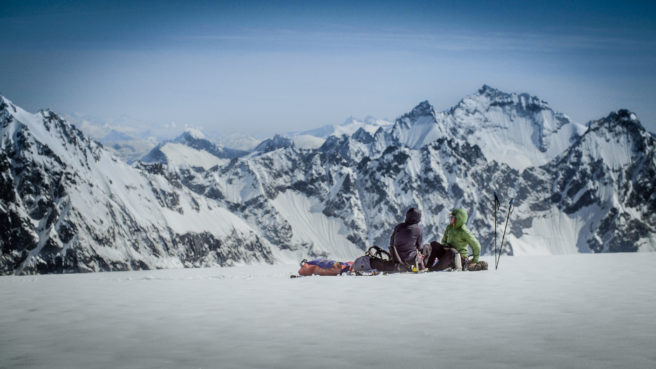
x=324, y=267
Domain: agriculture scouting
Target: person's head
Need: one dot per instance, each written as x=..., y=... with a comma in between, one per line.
x=458, y=218
x=413, y=216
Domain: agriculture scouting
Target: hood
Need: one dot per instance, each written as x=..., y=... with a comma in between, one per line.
x=413, y=216
x=461, y=217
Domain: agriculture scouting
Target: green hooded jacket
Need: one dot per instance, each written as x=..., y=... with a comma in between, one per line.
x=458, y=236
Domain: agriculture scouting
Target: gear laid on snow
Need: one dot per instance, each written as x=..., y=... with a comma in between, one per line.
x=475, y=267
x=374, y=259
x=407, y=254
x=362, y=264
x=324, y=267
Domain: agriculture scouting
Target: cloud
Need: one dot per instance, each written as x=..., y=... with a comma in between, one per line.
x=439, y=40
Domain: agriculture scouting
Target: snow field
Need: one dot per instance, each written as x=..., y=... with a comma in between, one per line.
x=575, y=311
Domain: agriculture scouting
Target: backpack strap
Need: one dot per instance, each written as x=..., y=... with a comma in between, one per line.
x=378, y=253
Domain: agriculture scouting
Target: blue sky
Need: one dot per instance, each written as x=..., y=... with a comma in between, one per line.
x=275, y=66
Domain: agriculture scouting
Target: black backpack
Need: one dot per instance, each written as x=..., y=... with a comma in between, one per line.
x=383, y=261
x=375, y=258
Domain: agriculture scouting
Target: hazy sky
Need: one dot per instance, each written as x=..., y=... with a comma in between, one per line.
x=274, y=66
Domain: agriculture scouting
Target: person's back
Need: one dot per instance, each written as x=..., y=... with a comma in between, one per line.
x=408, y=236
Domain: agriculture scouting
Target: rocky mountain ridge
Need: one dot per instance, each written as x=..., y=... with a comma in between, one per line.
x=70, y=206
x=187, y=206
x=368, y=180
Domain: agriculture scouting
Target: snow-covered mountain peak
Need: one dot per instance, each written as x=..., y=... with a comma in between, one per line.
x=194, y=133
x=617, y=138
x=518, y=129
x=487, y=98
x=196, y=139
x=625, y=118
x=50, y=133
x=492, y=93
x=191, y=149
x=8, y=107
x=274, y=143
x=4, y=103
x=418, y=127
x=423, y=113
x=619, y=123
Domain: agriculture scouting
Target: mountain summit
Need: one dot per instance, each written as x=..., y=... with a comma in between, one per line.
x=517, y=129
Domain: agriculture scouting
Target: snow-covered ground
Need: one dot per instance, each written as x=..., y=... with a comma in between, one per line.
x=575, y=311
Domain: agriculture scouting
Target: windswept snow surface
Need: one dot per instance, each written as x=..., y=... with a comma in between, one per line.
x=574, y=311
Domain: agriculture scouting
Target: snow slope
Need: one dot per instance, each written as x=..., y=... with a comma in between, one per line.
x=310, y=226
x=575, y=311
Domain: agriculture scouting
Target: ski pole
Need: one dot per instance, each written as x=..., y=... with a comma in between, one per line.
x=510, y=208
x=497, y=204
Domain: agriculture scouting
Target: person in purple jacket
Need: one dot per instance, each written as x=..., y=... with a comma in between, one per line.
x=407, y=239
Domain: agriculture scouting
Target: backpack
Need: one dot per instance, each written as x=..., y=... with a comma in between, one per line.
x=374, y=259
x=362, y=264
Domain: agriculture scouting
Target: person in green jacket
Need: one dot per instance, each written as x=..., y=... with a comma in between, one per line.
x=452, y=251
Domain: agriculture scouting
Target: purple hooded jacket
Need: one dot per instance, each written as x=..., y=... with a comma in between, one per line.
x=408, y=236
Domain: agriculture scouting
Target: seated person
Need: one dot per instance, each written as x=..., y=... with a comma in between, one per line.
x=406, y=240
x=452, y=252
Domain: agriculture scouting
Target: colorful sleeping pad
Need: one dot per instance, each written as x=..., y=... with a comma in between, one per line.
x=324, y=267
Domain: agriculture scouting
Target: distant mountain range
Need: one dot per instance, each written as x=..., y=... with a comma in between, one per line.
x=70, y=205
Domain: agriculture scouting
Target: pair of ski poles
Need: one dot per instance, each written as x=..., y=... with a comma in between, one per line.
x=497, y=205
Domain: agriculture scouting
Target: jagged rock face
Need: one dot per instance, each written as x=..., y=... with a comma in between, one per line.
x=604, y=182
x=68, y=206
